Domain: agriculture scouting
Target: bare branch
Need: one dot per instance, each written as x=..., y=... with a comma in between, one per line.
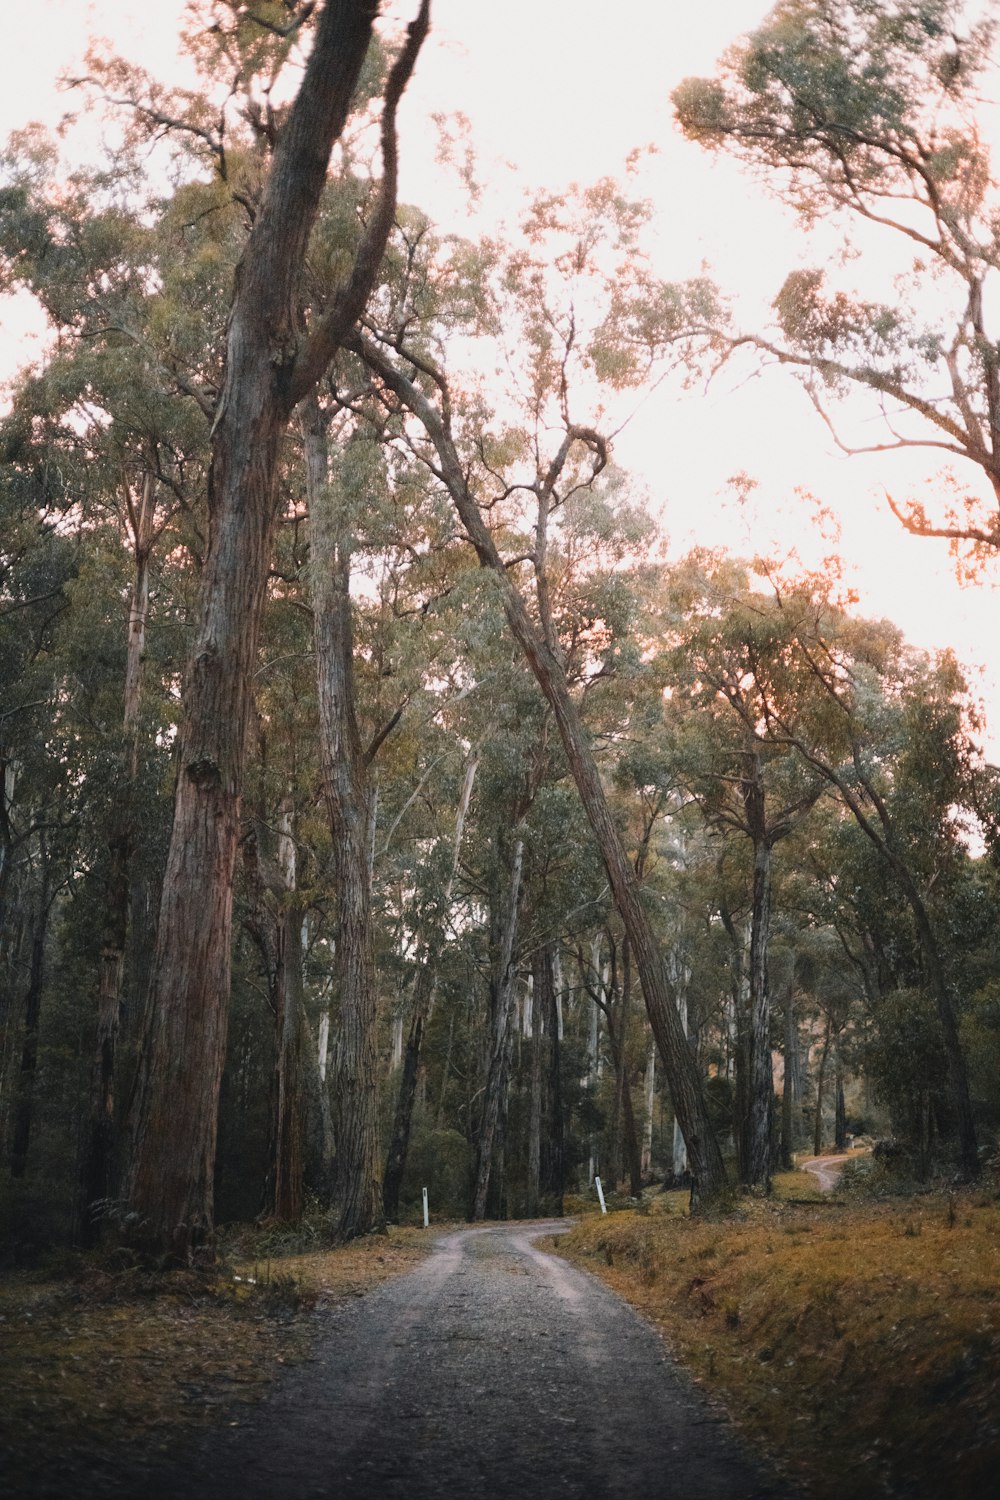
x=349, y=301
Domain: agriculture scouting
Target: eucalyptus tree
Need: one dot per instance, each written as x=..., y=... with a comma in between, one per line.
x=869, y=113
x=131, y=456
x=885, y=729
x=509, y=480
x=271, y=363
x=728, y=641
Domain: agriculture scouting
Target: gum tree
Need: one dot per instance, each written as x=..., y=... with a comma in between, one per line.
x=865, y=114
x=509, y=481
x=271, y=363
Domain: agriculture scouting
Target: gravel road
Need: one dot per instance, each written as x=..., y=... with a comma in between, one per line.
x=494, y=1371
x=825, y=1169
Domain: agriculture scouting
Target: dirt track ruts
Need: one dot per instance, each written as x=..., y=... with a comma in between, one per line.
x=493, y=1370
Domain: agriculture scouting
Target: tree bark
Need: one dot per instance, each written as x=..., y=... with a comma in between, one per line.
x=534, y=1187
x=619, y=1035
x=423, y=999
x=788, y=1085
x=840, y=1112
x=761, y=1101
x=24, y=1102
x=349, y=810
x=97, y=1177
x=552, y=1165
x=170, y=1185
x=820, y=1081
x=496, y=1077
x=288, y=1131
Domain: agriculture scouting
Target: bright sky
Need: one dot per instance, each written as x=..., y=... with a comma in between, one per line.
x=559, y=91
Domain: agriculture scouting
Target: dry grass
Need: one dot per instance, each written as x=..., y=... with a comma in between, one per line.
x=101, y=1367
x=858, y=1345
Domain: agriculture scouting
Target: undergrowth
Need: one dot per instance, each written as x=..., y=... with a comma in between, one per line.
x=105, y=1364
x=858, y=1343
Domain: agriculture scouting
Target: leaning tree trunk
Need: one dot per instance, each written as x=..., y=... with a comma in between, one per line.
x=687, y=1092
x=268, y=370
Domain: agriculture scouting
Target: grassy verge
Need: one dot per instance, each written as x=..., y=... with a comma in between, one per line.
x=100, y=1367
x=857, y=1345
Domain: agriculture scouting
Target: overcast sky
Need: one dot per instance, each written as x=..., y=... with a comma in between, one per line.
x=563, y=90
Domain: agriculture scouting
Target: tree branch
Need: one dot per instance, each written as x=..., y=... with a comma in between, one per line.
x=349, y=302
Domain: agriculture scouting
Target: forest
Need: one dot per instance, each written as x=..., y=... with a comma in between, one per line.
x=385, y=806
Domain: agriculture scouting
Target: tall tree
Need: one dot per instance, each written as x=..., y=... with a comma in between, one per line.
x=269, y=367
x=640, y=322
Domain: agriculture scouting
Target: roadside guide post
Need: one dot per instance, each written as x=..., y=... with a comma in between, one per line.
x=600, y=1194
x=426, y=1217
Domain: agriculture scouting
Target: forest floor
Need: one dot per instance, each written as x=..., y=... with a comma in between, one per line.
x=101, y=1369
x=856, y=1342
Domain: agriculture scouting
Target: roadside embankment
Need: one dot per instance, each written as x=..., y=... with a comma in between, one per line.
x=858, y=1344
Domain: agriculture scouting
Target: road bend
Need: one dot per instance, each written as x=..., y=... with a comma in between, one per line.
x=494, y=1371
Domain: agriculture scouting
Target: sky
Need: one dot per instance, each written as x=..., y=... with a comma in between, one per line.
x=560, y=91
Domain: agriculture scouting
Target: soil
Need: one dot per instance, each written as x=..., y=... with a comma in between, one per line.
x=493, y=1370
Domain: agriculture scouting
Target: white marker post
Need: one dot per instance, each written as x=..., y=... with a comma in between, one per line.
x=600, y=1194
x=426, y=1216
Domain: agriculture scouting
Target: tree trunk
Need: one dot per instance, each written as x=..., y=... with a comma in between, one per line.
x=399, y=1142
x=170, y=1186
x=840, y=1112
x=289, y=1117
x=788, y=1093
x=496, y=1077
x=97, y=1177
x=679, y=975
x=538, y=1041
x=647, y=1134
x=348, y=804
x=761, y=1100
x=739, y=986
x=24, y=1101
x=619, y=1035
x=422, y=1001
x=682, y=1074
x=820, y=1081
x=552, y=1154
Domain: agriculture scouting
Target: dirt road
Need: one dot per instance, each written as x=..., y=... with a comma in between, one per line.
x=493, y=1371
x=825, y=1169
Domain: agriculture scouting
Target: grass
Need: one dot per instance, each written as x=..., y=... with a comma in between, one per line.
x=857, y=1344
x=99, y=1367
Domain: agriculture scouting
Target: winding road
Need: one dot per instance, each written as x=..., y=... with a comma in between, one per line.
x=492, y=1371
x=826, y=1169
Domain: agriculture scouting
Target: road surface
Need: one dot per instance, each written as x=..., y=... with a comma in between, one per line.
x=494, y=1371
x=826, y=1169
